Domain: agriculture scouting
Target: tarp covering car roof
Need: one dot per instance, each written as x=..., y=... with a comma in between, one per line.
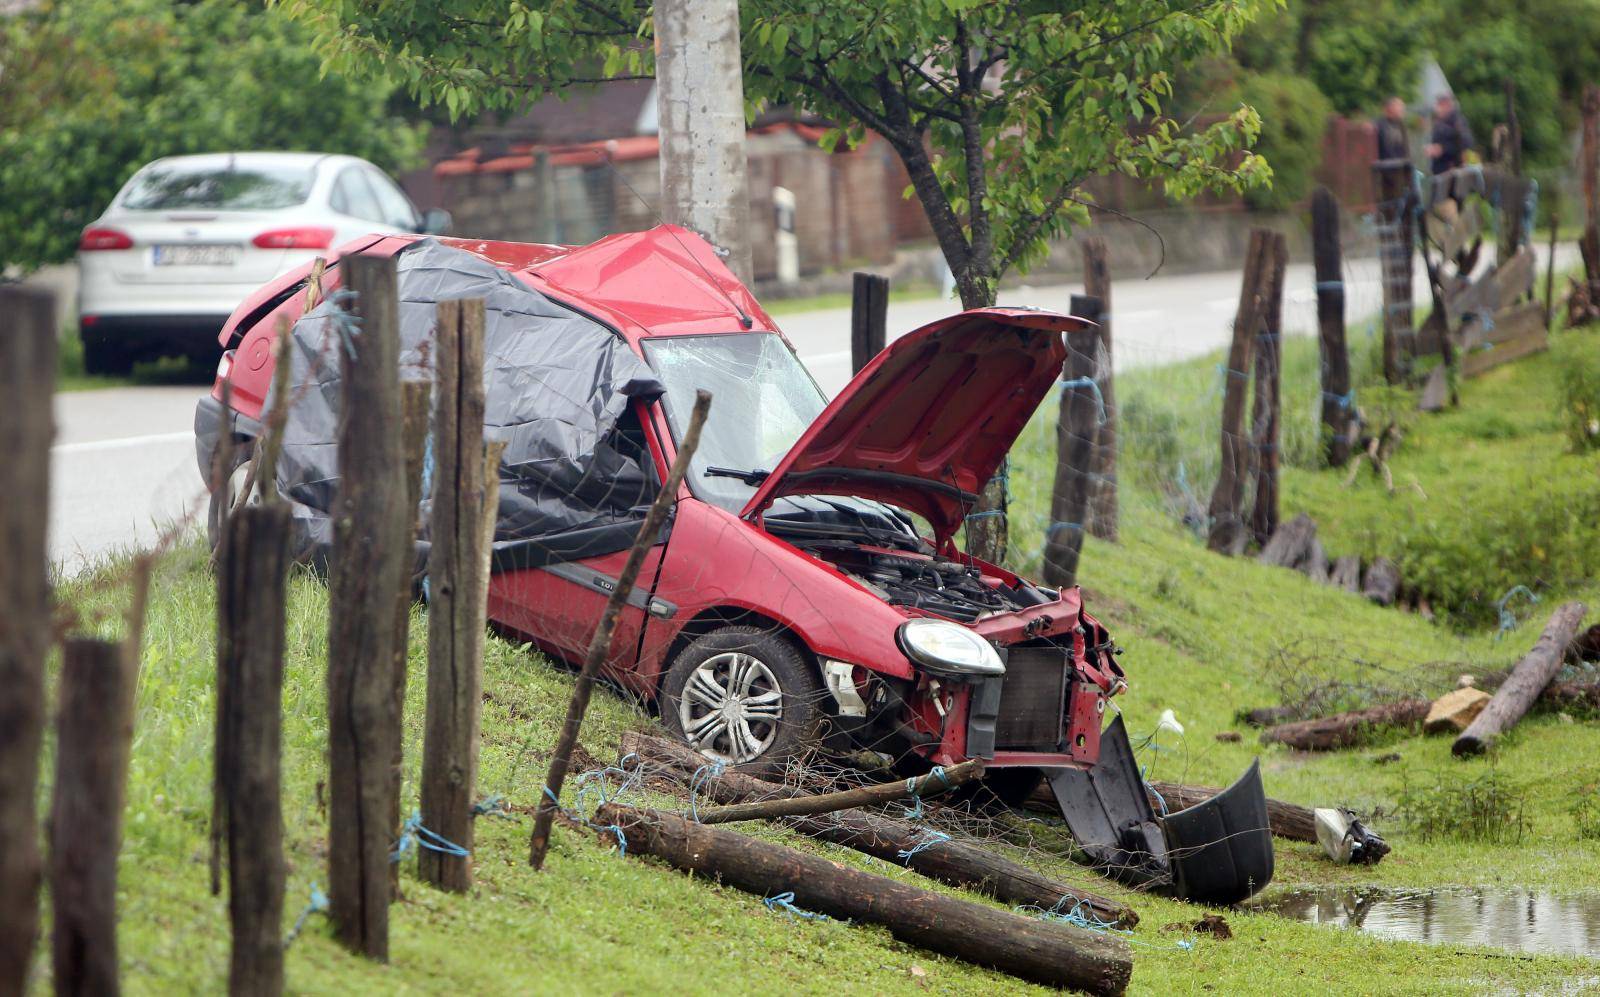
x=573, y=483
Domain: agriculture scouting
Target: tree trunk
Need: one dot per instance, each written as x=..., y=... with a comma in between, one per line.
x=458, y=587
x=1517, y=693
x=250, y=644
x=94, y=730
x=1344, y=730
x=957, y=863
x=1227, y=534
x=700, y=107
x=367, y=570
x=1336, y=401
x=1267, y=418
x=1051, y=953
x=27, y=385
x=1102, y=515
x=1076, y=427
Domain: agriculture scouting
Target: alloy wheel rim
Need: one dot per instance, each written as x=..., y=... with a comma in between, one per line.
x=731, y=707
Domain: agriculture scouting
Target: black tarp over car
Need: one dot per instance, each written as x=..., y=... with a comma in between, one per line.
x=573, y=480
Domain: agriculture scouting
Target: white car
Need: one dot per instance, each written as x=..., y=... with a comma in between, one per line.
x=188, y=237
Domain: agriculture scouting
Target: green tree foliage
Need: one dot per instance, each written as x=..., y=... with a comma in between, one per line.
x=1480, y=56
x=999, y=110
x=91, y=90
x=1294, y=117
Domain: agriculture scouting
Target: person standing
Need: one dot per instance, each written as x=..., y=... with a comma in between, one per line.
x=1393, y=141
x=1452, y=136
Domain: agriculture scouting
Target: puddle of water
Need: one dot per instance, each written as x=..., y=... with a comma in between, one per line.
x=1515, y=919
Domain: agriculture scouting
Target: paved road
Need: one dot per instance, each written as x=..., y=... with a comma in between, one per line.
x=124, y=465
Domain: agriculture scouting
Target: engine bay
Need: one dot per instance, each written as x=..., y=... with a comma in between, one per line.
x=927, y=583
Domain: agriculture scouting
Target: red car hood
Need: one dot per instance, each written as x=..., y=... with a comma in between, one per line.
x=927, y=422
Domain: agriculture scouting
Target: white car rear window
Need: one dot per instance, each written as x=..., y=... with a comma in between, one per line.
x=178, y=186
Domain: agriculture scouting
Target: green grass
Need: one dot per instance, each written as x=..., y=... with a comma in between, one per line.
x=910, y=291
x=70, y=375
x=1206, y=636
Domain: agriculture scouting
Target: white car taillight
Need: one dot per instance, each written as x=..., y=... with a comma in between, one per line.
x=103, y=238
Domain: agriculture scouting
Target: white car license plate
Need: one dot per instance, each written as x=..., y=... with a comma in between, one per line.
x=195, y=256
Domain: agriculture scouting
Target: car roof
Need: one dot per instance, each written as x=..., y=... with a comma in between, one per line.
x=246, y=159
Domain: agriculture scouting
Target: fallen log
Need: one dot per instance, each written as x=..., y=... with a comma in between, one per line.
x=1268, y=716
x=1053, y=953
x=1290, y=544
x=953, y=862
x=863, y=796
x=1346, y=573
x=1382, y=584
x=1532, y=674
x=1343, y=730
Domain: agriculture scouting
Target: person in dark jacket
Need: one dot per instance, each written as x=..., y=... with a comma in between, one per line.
x=1452, y=136
x=1393, y=142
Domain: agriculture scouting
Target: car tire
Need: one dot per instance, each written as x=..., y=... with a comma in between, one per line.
x=105, y=359
x=222, y=499
x=780, y=709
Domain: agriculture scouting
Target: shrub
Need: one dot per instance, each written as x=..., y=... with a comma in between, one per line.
x=1578, y=373
x=1585, y=811
x=1487, y=809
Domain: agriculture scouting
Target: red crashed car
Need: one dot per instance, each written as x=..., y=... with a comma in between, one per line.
x=809, y=586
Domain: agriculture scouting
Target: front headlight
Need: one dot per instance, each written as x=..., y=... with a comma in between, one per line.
x=948, y=649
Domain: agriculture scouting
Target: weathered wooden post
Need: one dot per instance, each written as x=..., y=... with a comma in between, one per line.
x=367, y=569
x=458, y=585
x=561, y=759
x=94, y=729
x=1589, y=169
x=1515, y=190
x=1550, y=263
x=1076, y=428
x=1102, y=514
x=1325, y=255
x=1395, y=238
x=27, y=384
x=252, y=570
x=869, y=314
x=1267, y=419
x=415, y=397
x=1526, y=681
x=1227, y=532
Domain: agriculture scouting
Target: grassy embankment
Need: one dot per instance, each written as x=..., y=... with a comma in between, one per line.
x=1202, y=632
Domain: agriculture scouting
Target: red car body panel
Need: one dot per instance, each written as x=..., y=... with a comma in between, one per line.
x=933, y=416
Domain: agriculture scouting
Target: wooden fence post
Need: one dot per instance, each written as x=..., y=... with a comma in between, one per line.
x=368, y=567
x=1076, y=428
x=251, y=575
x=1395, y=227
x=869, y=315
x=1589, y=172
x=600, y=643
x=1336, y=401
x=27, y=385
x=415, y=397
x=1267, y=419
x=1102, y=514
x=1227, y=532
x=94, y=728
x=458, y=585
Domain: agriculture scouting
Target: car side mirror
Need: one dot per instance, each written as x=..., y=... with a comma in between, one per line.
x=436, y=221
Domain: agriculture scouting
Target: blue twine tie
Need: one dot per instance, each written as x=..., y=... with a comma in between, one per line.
x=317, y=905
x=701, y=776
x=930, y=837
x=1330, y=285
x=1069, y=384
x=413, y=833
x=492, y=806
x=785, y=903
x=1508, y=621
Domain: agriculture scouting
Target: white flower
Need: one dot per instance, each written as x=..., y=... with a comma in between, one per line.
x=1169, y=721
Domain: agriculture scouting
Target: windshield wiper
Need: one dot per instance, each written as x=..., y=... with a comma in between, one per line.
x=751, y=478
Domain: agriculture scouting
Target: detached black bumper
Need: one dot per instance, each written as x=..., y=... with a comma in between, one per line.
x=209, y=422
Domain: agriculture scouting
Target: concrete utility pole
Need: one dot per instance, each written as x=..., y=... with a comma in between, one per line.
x=700, y=104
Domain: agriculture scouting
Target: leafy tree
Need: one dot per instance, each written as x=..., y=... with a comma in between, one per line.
x=1294, y=118
x=999, y=109
x=91, y=90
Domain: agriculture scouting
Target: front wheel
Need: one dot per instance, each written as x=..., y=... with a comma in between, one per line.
x=741, y=695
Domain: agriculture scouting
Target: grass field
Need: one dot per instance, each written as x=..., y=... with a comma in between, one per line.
x=1205, y=635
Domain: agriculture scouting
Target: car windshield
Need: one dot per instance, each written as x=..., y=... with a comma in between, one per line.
x=222, y=187
x=762, y=399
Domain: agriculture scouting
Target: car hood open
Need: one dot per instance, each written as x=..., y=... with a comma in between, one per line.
x=927, y=422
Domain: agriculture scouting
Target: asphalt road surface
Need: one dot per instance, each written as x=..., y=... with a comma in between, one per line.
x=124, y=462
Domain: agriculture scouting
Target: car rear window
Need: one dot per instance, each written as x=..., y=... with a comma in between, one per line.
x=177, y=186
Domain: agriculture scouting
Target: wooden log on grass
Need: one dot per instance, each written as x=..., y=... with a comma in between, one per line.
x=370, y=563
x=1381, y=583
x=561, y=759
x=862, y=796
x=958, y=863
x=251, y=577
x=94, y=730
x=1052, y=953
x=1228, y=534
x=458, y=580
x=1344, y=730
x=1528, y=679
x=1101, y=518
x=1346, y=573
x=1335, y=353
x=1290, y=545
x=27, y=385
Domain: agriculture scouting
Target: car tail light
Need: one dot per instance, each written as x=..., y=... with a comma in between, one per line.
x=309, y=237
x=103, y=238
x=225, y=366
